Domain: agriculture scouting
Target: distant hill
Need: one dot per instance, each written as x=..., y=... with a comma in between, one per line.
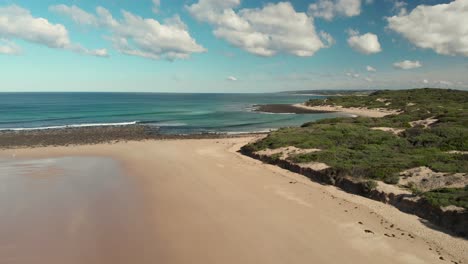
x=331, y=92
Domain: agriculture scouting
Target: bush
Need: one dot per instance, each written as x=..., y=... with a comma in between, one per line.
x=448, y=196
x=370, y=186
x=352, y=148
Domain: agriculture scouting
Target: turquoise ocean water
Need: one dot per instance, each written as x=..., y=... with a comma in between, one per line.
x=169, y=113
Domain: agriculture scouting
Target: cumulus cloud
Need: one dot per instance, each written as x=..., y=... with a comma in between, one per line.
x=9, y=48
x=143, y=37
x=407, y=65
x=328, y=9
x=366, y=44
x=367, y=79
x=75, y=13
x=231, y=78
x=442, y=28
x=371, y=69
x=275, y=28
x=18, y=23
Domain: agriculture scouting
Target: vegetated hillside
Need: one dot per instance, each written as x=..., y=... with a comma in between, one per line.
x=430, y=131
x=333, y=92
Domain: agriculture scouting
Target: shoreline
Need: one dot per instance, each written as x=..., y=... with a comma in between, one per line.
x=287, y=109
x=246, y=209
x=326, y=109
x=98, y=135
x=361, y=111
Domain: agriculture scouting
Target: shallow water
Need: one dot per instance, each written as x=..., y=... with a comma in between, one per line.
x=71, y=210
x=171, y=113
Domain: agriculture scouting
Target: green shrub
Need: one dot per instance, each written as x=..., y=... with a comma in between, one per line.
x=448, y=196
x=370, y=186
x=352, y=148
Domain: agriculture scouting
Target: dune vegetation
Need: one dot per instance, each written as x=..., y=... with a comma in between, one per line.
x=431, y=130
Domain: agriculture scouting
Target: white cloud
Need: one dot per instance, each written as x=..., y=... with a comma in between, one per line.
x=425, y=81
x=371, y=69
x=231, y=78
x=354, y=75
x=18, y=23
x=156, y=6
x=445, y=83
x=407, y=65
x=366, y=44
x=275, y=28
x=9, y=48
x=97, y=52
x=328, y=9
x=442, y=28
x=399, y=7
x=76, y=14
x=327, y=38
x=368, y=79
x=148, y=38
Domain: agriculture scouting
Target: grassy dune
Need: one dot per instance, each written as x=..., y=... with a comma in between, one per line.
x=352, y=148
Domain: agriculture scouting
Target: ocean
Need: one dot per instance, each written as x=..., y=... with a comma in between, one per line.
x=168, y=113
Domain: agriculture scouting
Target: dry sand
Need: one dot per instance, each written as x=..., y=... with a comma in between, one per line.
x=361, y=111
x=205, y=203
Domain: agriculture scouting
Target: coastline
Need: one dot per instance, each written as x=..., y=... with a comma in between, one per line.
x=98, y=135
x=287, y=109
x=304, y=109
x=238, y=204
x=358, y=111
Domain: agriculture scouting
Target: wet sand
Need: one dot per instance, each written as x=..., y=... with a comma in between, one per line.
x=71, y=210
x=198, y=201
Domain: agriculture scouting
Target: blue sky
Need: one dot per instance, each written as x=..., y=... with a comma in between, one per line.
x=232, y=45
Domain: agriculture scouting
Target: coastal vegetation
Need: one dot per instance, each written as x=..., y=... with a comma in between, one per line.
x=431, y=130
x=448, y=196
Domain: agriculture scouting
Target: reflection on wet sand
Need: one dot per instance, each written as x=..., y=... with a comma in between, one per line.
x=71, y=210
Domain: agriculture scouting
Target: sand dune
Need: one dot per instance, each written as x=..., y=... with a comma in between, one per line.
x=205, y=203
x=359, y=111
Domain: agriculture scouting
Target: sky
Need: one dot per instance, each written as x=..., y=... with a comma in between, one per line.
x=232, y=46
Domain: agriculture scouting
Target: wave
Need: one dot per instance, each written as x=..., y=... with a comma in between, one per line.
x=70, y=126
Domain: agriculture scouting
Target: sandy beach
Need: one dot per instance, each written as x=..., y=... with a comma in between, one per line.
x=199, y=201
x=352, y=110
